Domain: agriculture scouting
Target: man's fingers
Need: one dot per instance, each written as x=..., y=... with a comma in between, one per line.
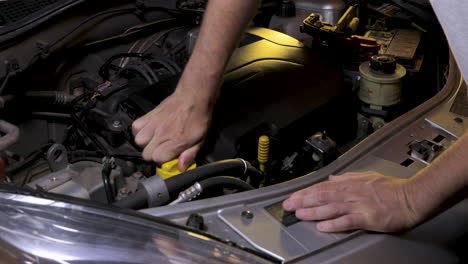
x=350, y=175
x=150, y=148
x=344, y=223
x=140, y=123
x=313, y=199
x=187, y=157
x=166, y=151
x=145, y=135
x=163, y=151
x=324, y=212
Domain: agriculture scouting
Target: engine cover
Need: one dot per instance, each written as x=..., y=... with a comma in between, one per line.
x=274, y=83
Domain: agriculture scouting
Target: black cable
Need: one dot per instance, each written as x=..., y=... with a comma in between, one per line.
x=82, y=126
x=88, y=134
x=174, y=64
x=235, y=167
x=225, y=181
x=106, y=172
x=176, y=48
x=166, y=65
x=81, y=159
x=103, y=69
x=149, y=70
x=29, y=175
x=80, y=97
x=125, y=35
x=136, y=68
x=84, y=22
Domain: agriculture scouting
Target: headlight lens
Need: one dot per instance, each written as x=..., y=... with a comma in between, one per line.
x=36, y=230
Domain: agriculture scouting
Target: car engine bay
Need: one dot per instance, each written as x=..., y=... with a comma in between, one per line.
x=71, y=90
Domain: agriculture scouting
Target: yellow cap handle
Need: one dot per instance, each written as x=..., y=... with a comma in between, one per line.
x=170, y=168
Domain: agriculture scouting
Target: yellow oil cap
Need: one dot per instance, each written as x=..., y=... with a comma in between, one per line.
x=169, y=169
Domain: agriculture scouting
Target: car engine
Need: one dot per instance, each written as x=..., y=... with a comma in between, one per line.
x=286, y=108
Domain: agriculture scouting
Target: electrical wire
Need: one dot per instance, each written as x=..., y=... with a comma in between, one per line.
x=103, y=69
x=140, y=71
x=149, y=70
x=125, y=35
x=166, y=65
x=84, y=22
x=100, y=146
x=145, y=46
x=103, y=150
x=47, y=48
x=107, y=167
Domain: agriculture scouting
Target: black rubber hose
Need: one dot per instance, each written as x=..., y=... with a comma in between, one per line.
x=176, y=183
x=234, y=167
x=51, y=97
x=225, y=181
x=135, y=201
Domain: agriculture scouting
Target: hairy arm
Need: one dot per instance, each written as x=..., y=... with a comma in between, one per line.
x=177, y=127
x=376, y=202
x=440, y=185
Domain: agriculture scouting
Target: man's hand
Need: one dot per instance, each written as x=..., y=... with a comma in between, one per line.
x=178, y=125
x=351, y=201
x=175, y=128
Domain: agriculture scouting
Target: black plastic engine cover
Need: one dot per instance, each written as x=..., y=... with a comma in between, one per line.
x=275, y=83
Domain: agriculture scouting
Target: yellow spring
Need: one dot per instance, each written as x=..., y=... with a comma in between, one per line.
x=263, y=151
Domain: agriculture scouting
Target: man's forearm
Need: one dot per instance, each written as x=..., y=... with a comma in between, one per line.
x=222, y=26
x=430, y=189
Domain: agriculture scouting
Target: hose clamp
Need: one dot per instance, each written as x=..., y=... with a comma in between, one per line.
x=156, y=190
x=245, y=165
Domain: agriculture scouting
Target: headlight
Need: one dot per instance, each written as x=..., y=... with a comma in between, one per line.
x=36, y=230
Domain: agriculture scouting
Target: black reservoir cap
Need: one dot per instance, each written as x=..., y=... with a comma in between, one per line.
x=383, y=63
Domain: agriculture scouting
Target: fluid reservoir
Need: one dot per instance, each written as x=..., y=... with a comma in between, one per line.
x=381, y=81
x=291, y=14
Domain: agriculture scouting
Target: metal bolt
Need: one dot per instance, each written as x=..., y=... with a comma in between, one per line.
x=247, y=214
x=117, y=124
x=316, y=157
